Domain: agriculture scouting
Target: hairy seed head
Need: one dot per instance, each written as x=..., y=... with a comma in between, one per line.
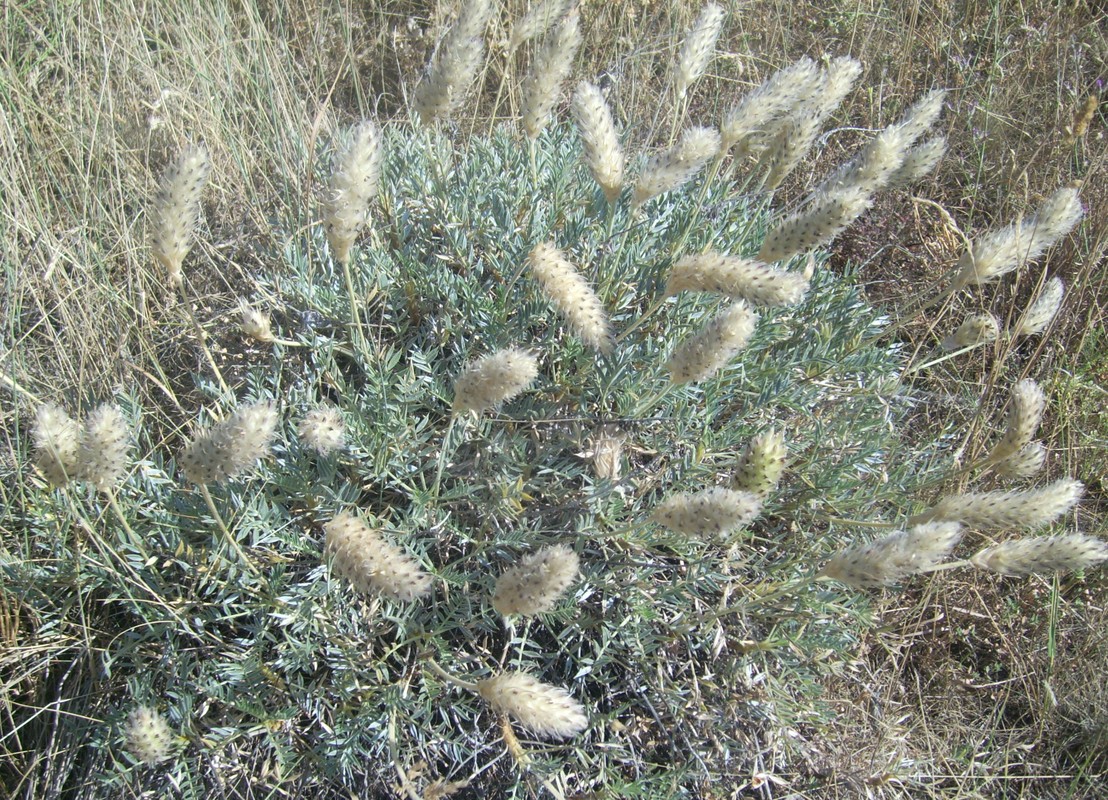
x=230, y=448
x=57, y=443
x=1043, y=309
x=888, y=561
x=176, y=210
x=776, y=97
x=540, y=708
x=323, y=430
x=605, y=449
x=714, y=512
x=675, y=167
x=355, y=175
x=362, y=556
x=762, y=463
x=922, y=114
x=1025, y=509
x=455, y=64
x=1025, y=412
x=738, y=278
x=975, y=330
x=149, y=738
x=918, y=162
x=1071, y=551
x=1028, y=461
x=537, y=21
x=820, y=221
x=550, y=69
x=534, y=584
x=696, y=52
x=105, y=443
x=571, y=294
x=255, y=323
x=599, y=139
x=717, y=343
x=491, y=380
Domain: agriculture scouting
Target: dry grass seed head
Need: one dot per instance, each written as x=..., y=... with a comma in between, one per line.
x=255, y=323
x=825, y=216
x=176, y=210
x=777, y=96
x=493, y=379
x=537, y=21
x=599, y=139
x=1025, y=412
x=1043, y=309
x=355, y=175
x=708, y=351
x=372, y=565
x=105, y=444
x=711, y=512
x=534, y=585
x=888, y=561
x=1029, y=461
x=230, y=448
x=918, y=162
x=57, y=443
x=149, y=737
x=675, y=167
x=455, y=64
x=975, y=330
x=540, y=708
x=737, y=278
x=572, y=295
x=762, y=463
x=605, y=451
x=323, y=430
x=1029, y=508
x=1072, y=551
x=696, y=52
x=551, y=67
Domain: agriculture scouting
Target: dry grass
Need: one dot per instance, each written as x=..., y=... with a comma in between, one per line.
x=982, y=689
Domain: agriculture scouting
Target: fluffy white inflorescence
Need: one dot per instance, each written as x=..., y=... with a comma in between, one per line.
x=571, y=294
x=715, y=511
x=1027, y=462
x=738, y=278
x=355, y=175
x=1025, y=412
x=975, y=330
x=455, y=64
x=825, y=216
x=534, y=585
x=605, y=451
x=491, y=380
x=149, y=737
x=57, y=443
x=762, y=463
x=537, y=21
x=323, y=430
x=255, y=323
x=176, y=210
x=919, y=161
x=540, y=708
x=105, y=442
x=599, y=139
x=676, y=167
x=995, y=254
x=775, y=98
x=231, y=447
x=360, y=555
x=550, y=69
x=1016, y=509
x=1043, y=309
x=696, y=52
x=1047, y=554
x=705, y=353
x=888, y=561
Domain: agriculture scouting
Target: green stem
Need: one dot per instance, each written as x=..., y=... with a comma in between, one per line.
x=446, y=676
x=646, y=315
x=355, y=314
x=442, y=457
x=223, y=528
x=761, y=599
x=203, y=338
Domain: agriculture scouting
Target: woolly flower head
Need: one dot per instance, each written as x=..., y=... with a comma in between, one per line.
x=777, y=96
x=761, y=465
x=888, y=561
x=360, y=555
x=696, y=52
x=149, y=737
x=737, y=278
x=710, y=512
x=57, y=443
x=705, y=353
x=1046, y=554
x=255, y=323
x=455, y=64
x=918, y=162
x=231, y=447
x=176, y=210
x=493, y=379
x=599, y=139
x=551, y=67
x=822, y=219
x=995, y=254
x=105, y=442
x=534, y=585
x=323, y=430
x=1029, y=461
x=540, y=708
x=537, y=21
x=355, y=174
x=1015, y=509
x=571, y=294
x=605, y=451
x=1025, y=412
x=975, y=330
x=675, y=167
x=1043, y=309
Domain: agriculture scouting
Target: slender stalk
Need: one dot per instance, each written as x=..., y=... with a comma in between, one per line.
x=646, y=315
x=761, y=599
x=223, y=528
x=442, y=456
x=446, y=676
x=355, y=314
x=203, y=338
